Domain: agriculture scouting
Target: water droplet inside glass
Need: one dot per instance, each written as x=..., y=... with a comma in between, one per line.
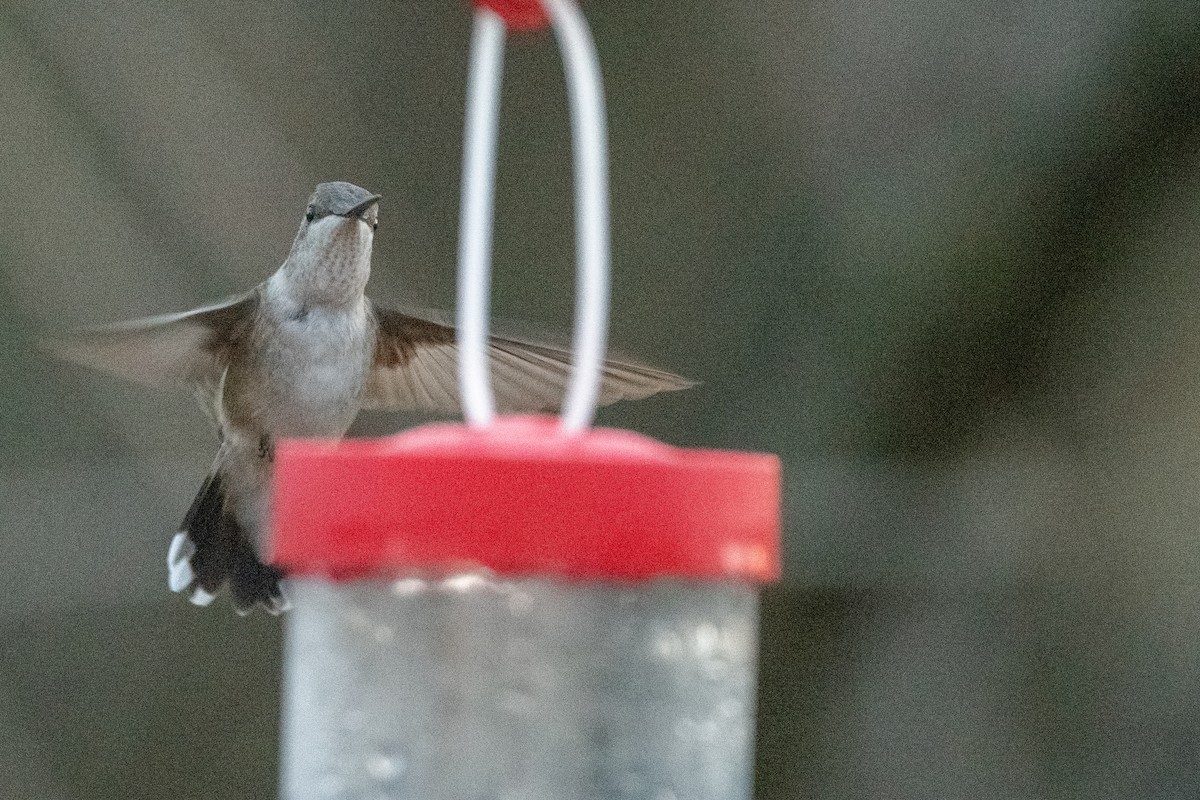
x=384, y=767
x=408, y=586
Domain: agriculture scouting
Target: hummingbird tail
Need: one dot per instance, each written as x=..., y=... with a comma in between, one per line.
x=212, y=549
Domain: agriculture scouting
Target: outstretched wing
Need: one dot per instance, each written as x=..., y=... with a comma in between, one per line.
x=416, y=367
x=190, y=347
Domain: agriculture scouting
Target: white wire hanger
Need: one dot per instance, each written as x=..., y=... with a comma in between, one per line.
x=592, y=242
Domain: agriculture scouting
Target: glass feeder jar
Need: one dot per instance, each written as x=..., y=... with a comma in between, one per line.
x=516, y=613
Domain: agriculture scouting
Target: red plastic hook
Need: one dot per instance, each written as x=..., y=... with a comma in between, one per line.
x=522, y=15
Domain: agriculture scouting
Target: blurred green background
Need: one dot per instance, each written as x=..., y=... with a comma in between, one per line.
x=938, y=255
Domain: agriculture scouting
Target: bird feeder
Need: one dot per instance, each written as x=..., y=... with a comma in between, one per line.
x=521, y=607
x=513, y=612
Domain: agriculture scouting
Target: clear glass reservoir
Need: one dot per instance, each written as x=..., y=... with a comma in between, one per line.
x=476, y=688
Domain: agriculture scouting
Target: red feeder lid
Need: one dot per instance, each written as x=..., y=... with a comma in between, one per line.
x=522, y=498
x=524, y=15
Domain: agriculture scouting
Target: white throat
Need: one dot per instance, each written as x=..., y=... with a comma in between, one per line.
x=329, y=265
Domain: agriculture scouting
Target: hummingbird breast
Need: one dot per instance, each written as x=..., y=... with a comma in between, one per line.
x=304, y=374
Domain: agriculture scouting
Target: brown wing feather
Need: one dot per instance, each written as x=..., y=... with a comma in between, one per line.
x=191, y=347
x=400, y=337
x=416, y=367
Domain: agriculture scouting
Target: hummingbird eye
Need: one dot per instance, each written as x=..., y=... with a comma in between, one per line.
x=310, y=214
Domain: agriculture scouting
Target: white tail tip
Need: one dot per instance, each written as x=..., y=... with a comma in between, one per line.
x=201, y=598
x=179, y=571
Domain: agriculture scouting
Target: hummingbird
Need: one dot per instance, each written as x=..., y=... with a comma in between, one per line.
x=300, y=355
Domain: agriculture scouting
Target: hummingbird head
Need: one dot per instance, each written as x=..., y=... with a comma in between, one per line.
x=330, y=260
x=345, y=200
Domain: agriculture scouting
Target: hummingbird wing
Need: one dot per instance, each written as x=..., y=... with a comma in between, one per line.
x=189, y=347
x=416, y=367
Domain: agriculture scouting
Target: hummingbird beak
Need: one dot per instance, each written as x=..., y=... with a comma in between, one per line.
x=361, y=208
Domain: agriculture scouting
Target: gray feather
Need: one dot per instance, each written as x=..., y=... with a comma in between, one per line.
x=189, y=347
x=416, y=367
